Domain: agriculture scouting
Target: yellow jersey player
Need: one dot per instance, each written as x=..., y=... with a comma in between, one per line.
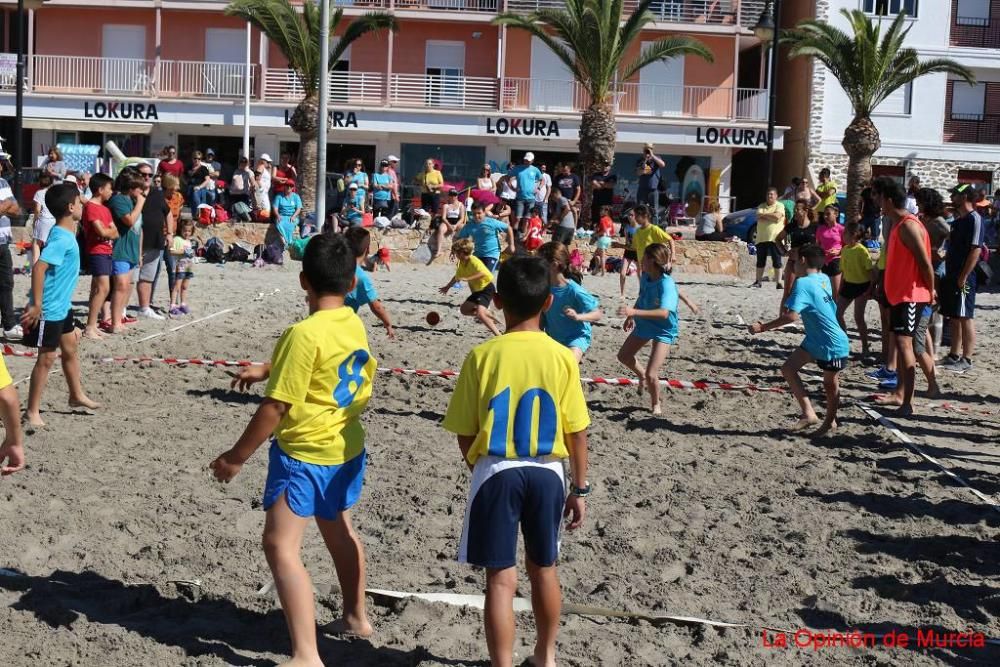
x=519, y=413
x=319, y=382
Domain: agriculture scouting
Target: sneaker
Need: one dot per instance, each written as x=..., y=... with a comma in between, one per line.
x=756, y=286
x=175, y=311
x=779, y=286
x=890, y=382
x=880, y=373
x=185, y=309
x=14, y=333
x=150, y=314
x=949, y=362
x=963, y=365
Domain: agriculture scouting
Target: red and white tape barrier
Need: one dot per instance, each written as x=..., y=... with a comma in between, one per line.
x=176, y=361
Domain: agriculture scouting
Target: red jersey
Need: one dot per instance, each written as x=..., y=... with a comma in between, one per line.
x=533, y=235
x=95, y=213
x=903, y=279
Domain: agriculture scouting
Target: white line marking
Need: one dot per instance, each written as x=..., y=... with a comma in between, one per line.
x=906, y=440
x=186, y=324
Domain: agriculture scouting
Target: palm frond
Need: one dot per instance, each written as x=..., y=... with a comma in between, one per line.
x=281, y=23
x=366, y=24
x=665, y=49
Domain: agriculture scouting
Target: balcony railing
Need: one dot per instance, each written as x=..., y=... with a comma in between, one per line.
x=137, y=77
x=490, y=6
x=975, y=32
x=442, y=92
x=972, y=129
x=711, y=12
x=638, y=99
x=356, y=88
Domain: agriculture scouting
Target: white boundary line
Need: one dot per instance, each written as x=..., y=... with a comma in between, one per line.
x=186, y=324
x=906, y=440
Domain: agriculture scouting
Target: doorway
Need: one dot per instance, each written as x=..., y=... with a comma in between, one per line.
x=552, y=159
x=227, y=150
x=337, y=155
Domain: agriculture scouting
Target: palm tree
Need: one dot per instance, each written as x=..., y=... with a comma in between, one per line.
x=591, y=37
x=870, y=67
x=297, y=36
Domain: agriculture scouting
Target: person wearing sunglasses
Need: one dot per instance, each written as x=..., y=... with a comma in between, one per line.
x=356, y=174
x=158, y=227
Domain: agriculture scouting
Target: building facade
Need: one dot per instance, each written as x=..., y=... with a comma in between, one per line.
x=938, y=128
x=448, y=85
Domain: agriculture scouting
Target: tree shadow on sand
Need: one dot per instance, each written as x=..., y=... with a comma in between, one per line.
x=226, y=396
x=209, y=626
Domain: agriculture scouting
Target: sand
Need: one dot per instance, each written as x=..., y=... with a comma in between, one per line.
x=712, y=511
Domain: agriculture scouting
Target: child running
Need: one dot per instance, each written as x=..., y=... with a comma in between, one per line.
x=605, y=232
x=825, y=342
x=100, y=233
x=48, y=317
x=573, y=308
x=652, y=319
x=183, y=253
x=364, y=292
x=648, y=234
x=472, y=270
x=319, y=382
x=856, y=264
x=629, y=259
x=505, y=385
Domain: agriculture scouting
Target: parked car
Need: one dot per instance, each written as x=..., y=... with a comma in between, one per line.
x=741, y=224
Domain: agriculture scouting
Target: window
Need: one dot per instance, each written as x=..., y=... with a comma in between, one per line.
x=897, y=104
x=976, y=178
x=968, y=102
x=973, y=12
x=896, y=173
x=891, y=7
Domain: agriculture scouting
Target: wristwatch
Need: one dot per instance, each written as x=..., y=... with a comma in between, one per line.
x=579, y=492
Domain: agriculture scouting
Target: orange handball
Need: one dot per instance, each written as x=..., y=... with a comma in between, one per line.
x=433, y=318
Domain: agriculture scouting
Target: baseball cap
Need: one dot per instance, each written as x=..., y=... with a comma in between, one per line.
x=352, y=186
x=209, y=151
x=529, y=156
x=963, y=189
x=383, y=163
x=265, y=157
x=392, y=158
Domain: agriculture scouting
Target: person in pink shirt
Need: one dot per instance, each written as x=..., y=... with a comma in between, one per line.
x=830, y=237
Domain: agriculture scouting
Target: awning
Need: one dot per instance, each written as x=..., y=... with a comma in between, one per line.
x=87, y=126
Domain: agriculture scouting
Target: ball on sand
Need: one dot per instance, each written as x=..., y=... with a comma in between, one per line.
x=433, y=318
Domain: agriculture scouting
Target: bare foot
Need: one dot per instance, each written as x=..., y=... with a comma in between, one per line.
x=903, y=411
x=93, y=333
x=84, y=404
x=933, y=391
x=888, y=399
x=349, y=627
x=657, y=409
x=540, y=660
x=32, y=422
x=118, y=329
x=824, y=429
x=804, y=423
x=303, y=662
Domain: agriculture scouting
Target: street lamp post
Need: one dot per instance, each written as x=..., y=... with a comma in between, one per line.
x=767, y=30
x=324, y=102
x=19, y=95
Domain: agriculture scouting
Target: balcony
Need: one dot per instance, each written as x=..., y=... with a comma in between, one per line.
x=487, y=6
x=972, y=128
x=637, y=99
x=138, y=78
x=443, y=92
x=975, y=32
x=705, y=12
x=354, y=88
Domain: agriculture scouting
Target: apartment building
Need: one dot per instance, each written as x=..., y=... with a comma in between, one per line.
x=448, y=84
x=938, y=128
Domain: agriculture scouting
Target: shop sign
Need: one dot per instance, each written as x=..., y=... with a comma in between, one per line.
x=729, y=136
x=120, y=111
x=522, y=127
x=334, y=118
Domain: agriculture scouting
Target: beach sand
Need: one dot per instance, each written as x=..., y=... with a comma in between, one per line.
x=712, y=511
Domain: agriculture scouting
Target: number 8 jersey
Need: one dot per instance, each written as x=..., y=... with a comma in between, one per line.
x=323, y=369
x=519, y=395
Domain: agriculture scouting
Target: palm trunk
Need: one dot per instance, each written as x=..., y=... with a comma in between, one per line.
x=597, y=147
x=304, y=122
x=861, y=142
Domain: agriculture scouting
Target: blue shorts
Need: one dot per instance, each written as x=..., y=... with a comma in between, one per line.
x=489, y=262
x=604, y=243
x=507, y=494
x=120, y=268
x=582, y=344
x=647, y=330
x=101, y=265
x=310, y=489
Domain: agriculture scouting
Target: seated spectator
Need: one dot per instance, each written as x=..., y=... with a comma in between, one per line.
x=710, y=223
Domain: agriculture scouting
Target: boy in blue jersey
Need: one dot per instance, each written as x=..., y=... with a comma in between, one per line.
x=48, y=317
x=519, y=411
x=364, y=291
x=484, y=232
x=825, y=342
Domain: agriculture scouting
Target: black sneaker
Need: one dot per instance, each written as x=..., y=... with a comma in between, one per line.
x=756, y=286
x=779, y=286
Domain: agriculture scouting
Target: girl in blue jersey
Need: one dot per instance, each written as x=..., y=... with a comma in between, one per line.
x=573, y=308
x=652, y=319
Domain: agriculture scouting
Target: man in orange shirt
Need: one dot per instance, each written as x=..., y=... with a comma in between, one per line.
x=909, y=289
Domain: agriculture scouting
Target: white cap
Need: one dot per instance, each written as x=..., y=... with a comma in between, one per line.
x=392, y=158
x=70, y=178
x=529, y=156
x=265, y=157
x=353, y=186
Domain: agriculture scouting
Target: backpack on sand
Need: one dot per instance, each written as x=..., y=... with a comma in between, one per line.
x=215, y=251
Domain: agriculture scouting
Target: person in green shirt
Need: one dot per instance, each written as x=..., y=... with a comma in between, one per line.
x=770, y=223
x=827, y=191
x=126, y=212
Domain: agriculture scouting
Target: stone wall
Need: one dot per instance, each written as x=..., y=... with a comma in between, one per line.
x=941, y=175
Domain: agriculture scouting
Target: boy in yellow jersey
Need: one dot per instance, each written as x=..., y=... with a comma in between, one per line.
x=12, y=449
x=519, y=411
x=319, y=382
x=472, y=270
